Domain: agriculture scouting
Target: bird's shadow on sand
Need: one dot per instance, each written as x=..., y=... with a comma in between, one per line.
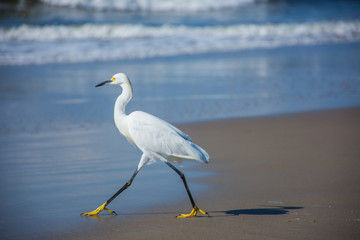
x=265, y=210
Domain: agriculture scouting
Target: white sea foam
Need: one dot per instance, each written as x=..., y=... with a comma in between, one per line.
x=150, y=5
x=90, y=42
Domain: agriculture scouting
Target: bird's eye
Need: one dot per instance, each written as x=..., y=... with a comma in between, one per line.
x=113, y=79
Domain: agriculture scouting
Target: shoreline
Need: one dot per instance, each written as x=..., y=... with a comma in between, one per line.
x=297, y=179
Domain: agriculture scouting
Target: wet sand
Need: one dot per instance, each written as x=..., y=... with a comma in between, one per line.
x=281, y=177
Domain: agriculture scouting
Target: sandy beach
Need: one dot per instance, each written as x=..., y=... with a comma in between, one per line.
x=280, y=177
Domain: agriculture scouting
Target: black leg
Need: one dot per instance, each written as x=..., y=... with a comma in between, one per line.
x=103, y=206
x=127, y=184
x=184, y=181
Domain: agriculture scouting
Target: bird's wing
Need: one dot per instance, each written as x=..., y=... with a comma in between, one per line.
x=151, y=134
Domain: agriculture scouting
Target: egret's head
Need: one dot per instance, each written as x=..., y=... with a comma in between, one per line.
x=117, y=79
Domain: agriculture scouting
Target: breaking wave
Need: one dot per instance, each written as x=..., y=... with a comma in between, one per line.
x=150, y=5
x=28, y=44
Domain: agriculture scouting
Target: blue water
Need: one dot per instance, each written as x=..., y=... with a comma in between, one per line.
x=60, y=153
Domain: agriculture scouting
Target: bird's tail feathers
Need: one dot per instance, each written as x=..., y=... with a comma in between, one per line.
x=203, y=155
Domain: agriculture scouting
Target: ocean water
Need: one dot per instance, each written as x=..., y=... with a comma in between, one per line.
x=60, y=153
x=118, y=30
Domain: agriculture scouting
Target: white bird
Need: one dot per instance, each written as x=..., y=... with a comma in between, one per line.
x=157, y=139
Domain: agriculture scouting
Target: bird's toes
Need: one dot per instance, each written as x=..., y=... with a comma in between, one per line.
x=110, y=211
x=98, y=210
x=193, y=213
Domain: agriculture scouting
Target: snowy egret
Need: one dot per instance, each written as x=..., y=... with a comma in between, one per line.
x=157, y=139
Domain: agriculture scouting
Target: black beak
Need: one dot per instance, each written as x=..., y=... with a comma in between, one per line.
x=103, y=83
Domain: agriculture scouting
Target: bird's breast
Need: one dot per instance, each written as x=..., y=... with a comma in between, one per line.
x=123, y=127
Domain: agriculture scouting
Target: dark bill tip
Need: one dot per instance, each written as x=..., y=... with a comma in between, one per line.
x=103, y=83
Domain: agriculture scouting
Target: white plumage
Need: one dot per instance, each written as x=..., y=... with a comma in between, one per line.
x=158, y=140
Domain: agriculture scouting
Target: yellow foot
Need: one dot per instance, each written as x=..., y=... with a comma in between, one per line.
x=193, y=213
x=99, y=209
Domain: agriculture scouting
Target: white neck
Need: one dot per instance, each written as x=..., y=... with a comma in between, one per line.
x=120, y=116
x=123, y=98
